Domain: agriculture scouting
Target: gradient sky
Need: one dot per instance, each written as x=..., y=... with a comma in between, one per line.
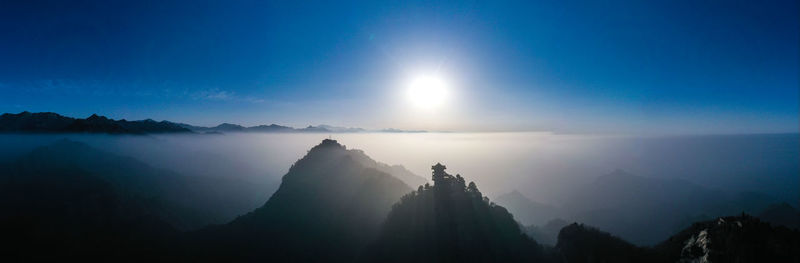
x=650, y=67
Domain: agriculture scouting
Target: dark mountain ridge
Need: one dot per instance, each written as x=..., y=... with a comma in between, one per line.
x=643, y=210
x=527, y=211
x=546, y=234
x=186, y=202
x=61, y=211
x=726, y=239
x=48, y=122
x=328, y=206
x=781, y=214
x=451, y=222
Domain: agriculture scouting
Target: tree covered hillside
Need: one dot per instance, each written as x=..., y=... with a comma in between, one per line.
x=450, y=222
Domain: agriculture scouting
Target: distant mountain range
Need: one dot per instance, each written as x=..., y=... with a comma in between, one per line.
x=49, y=122
x=546, y=234
x=526, y=211
x=274, y=128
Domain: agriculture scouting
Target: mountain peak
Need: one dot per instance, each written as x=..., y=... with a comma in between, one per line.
x=514, y=196
x=95, y=117
x=450, y=222
x=527, y=211
x=329, y=144
x=332, y=194
x=229, y=126
x=732, y=239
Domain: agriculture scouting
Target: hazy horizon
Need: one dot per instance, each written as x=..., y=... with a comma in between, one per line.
x=535, y=163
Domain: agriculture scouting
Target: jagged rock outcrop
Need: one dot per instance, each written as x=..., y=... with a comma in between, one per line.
x=727, y=239
x=732, y=239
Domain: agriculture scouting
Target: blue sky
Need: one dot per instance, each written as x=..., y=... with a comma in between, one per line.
x=663, y=67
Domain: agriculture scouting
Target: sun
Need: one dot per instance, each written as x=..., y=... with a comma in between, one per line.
x=427, y=92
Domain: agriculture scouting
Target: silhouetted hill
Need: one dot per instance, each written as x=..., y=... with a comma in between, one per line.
x=34, y=122
x=48, y=122
x=450, y=222
x=546, y=234
x=581, y=243
x=726, y=239
x=640, y=209
x=270, y=128
x=273, y=128
x=645, y=210
x=313, y=129
x=60, y=211
x=732, y=239
x=329, y=205
x=227, y=127
x=183, y=201
x=527, y=211
x=781, y=214
x=398, y=171
x=340, y=129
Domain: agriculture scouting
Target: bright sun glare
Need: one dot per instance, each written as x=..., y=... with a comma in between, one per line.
x=427, y=92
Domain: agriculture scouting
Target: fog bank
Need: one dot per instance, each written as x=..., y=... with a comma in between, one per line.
x=545, y=167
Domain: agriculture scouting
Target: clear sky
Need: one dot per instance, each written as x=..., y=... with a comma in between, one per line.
x=565, y=66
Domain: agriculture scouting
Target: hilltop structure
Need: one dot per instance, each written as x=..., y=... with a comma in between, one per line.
x=451, y=222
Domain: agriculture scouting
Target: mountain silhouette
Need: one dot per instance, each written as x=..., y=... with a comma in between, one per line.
x=546, y=234
x=338, y=129
x=270, y=128
x=328, y=206
x=48, y=122
x=646, y=210
x=70, y=201
x=582, y=243
x=732, y=239
x=526, y=211
x=781, y=214
x=58, y=211
x=185, y=202
x=227, y=127
x=397, y=171
x=450, y=222
x=726, y=239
